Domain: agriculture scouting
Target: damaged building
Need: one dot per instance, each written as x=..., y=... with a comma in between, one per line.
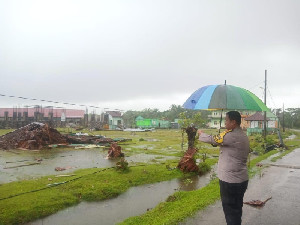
x=59, y=117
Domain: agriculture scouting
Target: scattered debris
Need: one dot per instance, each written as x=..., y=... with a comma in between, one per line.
x=65, y=175
x=55, y=184
x=29, y=164
x=285, y=166
x=115, y=151
x=257, y=203
x=63, y=168
x=89, y=146
x=32, y=136
x=138, y=130
x=96, y=140
x=24, y=160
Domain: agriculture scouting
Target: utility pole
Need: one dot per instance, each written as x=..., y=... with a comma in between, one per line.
x=283, y=128
x=265, y=113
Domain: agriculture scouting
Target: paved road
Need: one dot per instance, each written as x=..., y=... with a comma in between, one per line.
x=281, y=183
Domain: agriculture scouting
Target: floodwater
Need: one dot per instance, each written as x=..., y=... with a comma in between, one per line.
x=19, y=164
x=134, y=202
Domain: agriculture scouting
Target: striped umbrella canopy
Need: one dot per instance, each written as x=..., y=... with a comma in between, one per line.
x=215, y=97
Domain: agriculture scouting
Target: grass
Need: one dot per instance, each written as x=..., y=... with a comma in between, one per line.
x=5, y=131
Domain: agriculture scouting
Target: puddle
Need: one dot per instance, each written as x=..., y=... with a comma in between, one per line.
x=75, y=159
x=152, y=140
x=150, y=147
x=134, y=202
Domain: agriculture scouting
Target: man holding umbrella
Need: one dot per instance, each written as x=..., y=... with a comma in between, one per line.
x=232, y=165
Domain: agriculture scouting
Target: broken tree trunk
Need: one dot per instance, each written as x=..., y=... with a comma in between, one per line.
x=191, y=133
x=115, y=151
x=187, y=162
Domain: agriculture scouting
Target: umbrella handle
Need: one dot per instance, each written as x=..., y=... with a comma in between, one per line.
x=221, y=121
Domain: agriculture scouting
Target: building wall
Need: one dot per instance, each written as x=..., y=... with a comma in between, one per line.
x=152, y=123
x=216, y=116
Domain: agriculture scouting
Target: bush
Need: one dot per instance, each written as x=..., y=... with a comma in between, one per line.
x=203, y=168
x=122, y=165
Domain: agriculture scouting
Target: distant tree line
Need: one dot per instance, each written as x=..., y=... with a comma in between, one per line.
x=290, y=119
x=174, y=112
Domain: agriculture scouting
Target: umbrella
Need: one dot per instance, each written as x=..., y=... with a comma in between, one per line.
x=217, y=97
x=220, y=97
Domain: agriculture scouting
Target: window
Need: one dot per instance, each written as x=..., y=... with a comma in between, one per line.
x=215, y=123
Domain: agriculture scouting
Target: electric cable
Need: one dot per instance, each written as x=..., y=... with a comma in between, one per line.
x=63, y=182
x=50, y=101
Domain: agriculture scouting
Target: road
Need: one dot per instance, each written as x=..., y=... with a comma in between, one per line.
x=281, y=182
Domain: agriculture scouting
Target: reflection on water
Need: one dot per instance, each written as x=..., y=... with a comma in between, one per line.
x=136, y=201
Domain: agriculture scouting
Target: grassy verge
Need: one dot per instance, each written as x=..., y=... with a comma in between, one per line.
x=92, y=185
x=274, y=159
x=179, y=206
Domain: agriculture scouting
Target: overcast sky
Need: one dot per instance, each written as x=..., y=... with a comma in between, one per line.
x=147, y=54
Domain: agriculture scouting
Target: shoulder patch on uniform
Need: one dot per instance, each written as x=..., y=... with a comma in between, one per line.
x=219, y=138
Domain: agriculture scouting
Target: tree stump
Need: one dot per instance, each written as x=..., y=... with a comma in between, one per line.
x=115, y=151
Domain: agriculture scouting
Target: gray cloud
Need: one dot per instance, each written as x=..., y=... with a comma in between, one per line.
x=137, y=54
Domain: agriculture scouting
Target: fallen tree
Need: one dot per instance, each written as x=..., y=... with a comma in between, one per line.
x=187, y=162
x=115, y=151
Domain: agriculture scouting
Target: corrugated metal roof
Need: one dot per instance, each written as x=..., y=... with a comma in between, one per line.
x=69, y=113
x=258, y=116
x=114, y=113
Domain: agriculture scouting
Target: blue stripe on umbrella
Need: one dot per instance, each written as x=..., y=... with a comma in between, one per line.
x=193, y=99
x=204, y=100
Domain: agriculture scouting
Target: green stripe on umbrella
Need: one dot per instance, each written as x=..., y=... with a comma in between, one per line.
x=224, y=97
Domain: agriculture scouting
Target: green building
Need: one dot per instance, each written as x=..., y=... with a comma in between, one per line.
x=151, y=123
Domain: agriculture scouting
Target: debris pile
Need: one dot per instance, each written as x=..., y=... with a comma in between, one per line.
x=96, y=140
x=187, y=162
x=114, y=151
x=33, y=136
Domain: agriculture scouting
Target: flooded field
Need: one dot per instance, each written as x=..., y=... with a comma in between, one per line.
x=20, y=165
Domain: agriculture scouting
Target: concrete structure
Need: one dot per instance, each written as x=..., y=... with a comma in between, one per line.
x=257, y=122
x=18, y=117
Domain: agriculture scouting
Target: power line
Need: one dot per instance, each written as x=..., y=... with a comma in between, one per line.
x=257, y=85
x=51, y=101
x=271, y=97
